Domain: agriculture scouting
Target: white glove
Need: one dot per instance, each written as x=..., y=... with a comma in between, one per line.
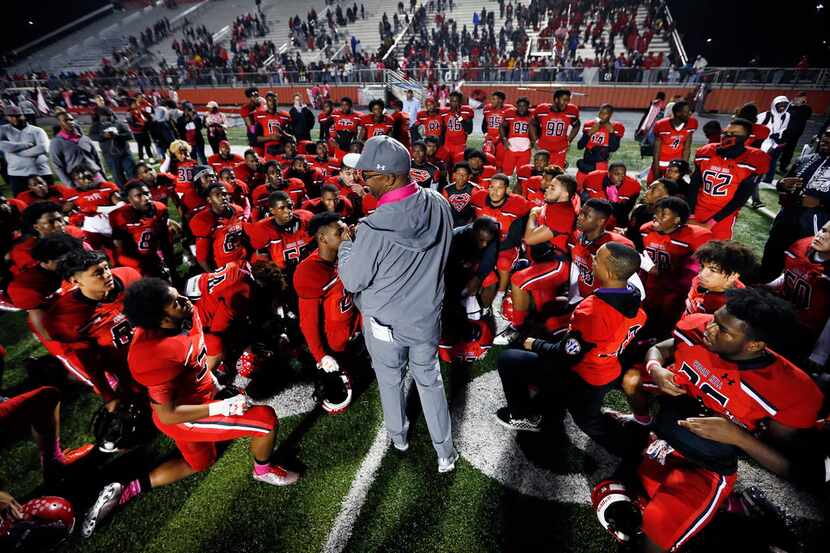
x=233, y=406
x=328, y=364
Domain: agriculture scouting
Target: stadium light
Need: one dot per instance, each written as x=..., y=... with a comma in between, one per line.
x=708, y=40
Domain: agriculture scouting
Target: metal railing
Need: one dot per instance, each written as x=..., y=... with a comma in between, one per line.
x=717, y=77
x=675, y=37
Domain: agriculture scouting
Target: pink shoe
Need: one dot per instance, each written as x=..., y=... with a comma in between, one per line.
x=277, y=476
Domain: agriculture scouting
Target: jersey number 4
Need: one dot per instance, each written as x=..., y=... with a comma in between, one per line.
x=715, y=183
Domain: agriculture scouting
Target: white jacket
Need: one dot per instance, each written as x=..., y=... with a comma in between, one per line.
x=775, y=122
x=26, y=150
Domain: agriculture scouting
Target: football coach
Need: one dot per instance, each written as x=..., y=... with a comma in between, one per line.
x=394, y=265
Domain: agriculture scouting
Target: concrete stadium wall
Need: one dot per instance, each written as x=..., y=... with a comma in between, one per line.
x=722, y=100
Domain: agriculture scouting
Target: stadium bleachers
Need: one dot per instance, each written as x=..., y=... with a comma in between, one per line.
x=83, y=49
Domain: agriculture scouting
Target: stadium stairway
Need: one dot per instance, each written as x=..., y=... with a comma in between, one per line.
x=83, y=49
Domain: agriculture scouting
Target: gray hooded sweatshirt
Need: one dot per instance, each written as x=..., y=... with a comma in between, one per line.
x=395, y=265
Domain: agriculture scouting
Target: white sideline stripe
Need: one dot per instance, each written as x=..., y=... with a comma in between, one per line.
x=343, y=525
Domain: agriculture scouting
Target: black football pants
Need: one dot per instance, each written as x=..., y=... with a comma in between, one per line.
x=559, y=387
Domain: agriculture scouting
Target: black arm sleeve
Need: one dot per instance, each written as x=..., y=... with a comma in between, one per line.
x=467, y=125
x=622, y=211
x=743, y=193
x=613, y=142
x=694, y=187
x=488, y=259
x=484, y=125
x=514, y=234
x=566, y=352
x=583, y=141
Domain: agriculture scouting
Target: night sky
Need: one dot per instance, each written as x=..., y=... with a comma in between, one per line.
x=744, y=29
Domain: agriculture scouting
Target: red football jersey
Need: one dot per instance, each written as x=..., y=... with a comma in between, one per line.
x=531, y=189
x=746, y=393
x=190, y=200
x=433, y=122
x=602, y=138
x=483, y=179
x=344, y=207
x=327, y=167
x=75, y=319
x=286, y=246
x=251, y=177
x=673, y=140
x=172, y=368
x=184, y=170
x=376, y=128
x=218, y=237
x=582, y=256
x=225, y=295
x=218, y=162
x=513, y=209
x=493, y=118
x=271, y=123
x=672, y=257
x=722, y=176
x=610, y=331
x=596, y=181
x=454, y=129
x=163, y=188
x=758, y=135
x=324, y=303
x=141, y=235
x=555, y=126
x=20, y=253
x=295, y=188
x=345, y=127
x=56, y=193
x=701, y=300
x=88, y=201
x=33, y=288
x=560, y=218
x=519, y=124
x=807, y=285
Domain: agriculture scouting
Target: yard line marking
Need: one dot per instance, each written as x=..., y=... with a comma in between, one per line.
x=343, y=526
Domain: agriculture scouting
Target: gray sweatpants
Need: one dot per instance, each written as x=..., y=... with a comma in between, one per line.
x=389, y=360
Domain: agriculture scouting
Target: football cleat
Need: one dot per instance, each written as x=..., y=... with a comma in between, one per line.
x=616, y=511
x=277, y=476
x=102, y=508
x=532, y=423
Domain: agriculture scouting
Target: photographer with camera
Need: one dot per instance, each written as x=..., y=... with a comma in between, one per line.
x=804, y=195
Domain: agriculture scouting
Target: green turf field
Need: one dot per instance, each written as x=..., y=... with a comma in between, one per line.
x=406, y=506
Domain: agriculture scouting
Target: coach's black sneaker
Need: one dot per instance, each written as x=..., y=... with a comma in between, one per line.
x=532, y=423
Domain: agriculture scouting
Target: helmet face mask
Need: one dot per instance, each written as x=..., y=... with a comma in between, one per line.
x=333, y=391
x=616, y=511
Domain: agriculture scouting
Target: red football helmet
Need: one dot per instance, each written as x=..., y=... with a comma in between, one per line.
x=45, y=523
x=474, y=348
x=616, y=510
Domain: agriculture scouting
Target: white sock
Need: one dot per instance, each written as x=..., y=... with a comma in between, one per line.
x=497, y=301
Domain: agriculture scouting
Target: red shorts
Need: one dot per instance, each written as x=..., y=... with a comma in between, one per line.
x=558, y=155
x=542, y=280
x=453, y=152
x=506, y=259
x=499, y=154
x=682, y=499
x=196, y=440
x=513, y=160
x=34, y=408
x=723, y=229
